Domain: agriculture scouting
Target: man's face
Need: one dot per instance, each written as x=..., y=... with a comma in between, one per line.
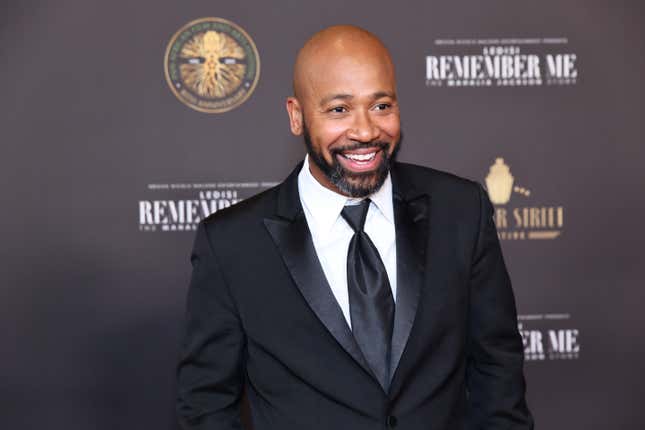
x=350, y=122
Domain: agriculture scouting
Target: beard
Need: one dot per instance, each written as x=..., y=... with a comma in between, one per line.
x=353, y=184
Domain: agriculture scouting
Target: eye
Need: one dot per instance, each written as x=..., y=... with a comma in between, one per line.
x=338, y=109
x=382, y=106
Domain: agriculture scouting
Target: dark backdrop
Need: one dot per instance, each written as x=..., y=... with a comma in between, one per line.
x=92, y=294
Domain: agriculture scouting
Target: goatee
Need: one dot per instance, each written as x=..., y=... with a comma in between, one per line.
x=353, y=184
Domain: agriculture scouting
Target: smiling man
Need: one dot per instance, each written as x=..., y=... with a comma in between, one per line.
x=361, y=293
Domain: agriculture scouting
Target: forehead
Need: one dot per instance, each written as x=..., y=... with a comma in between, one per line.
x=354, y=74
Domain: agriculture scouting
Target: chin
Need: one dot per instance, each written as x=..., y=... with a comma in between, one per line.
x=359, y=184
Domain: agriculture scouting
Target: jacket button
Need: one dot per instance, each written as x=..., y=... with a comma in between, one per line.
x=391, y=421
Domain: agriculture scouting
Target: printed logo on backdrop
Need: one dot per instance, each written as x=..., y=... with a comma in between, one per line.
x=549, y=337
x=212, y=65
x=519, y=214
x=509, y=62
x=180, y=207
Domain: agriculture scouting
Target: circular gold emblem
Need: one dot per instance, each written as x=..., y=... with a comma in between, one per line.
x=212, y=65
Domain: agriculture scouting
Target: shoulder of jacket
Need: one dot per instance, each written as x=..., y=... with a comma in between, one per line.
x=245, y=212
x=436, y=181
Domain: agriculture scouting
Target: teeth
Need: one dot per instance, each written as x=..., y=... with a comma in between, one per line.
x=361, y=157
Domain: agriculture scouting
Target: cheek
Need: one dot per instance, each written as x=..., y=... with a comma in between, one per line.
x=329, y=135
x=391, y=126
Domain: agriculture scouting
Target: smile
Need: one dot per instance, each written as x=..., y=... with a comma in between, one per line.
x=361, y=160
x=361, y=157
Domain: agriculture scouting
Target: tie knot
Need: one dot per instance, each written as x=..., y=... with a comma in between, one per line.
x=355, y=215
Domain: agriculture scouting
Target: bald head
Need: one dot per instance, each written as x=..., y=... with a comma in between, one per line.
x=334, y=46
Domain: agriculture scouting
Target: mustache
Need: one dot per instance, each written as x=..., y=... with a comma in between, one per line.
x=360, y=145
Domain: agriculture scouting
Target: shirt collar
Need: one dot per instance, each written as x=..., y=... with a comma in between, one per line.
x=382, y=198
x=325, y=205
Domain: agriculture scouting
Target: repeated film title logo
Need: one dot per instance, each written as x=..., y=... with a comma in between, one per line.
x=544, y=337
x=501, y=63
x=181, y=206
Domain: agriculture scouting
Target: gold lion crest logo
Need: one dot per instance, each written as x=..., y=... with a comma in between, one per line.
x=212, y=65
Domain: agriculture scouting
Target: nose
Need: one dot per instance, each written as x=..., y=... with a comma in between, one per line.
x=363, y=129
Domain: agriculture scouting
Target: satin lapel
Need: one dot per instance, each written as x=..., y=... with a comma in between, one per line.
x=411, y=223
x=291, y=235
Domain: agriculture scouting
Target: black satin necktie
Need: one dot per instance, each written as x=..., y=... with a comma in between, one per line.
x=371, y=303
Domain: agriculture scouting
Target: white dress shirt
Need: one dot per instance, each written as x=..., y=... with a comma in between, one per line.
x=331, y=233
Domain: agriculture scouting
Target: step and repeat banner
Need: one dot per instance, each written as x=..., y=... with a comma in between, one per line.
x=124, y=124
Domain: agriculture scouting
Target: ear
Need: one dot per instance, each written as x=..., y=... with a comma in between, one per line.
x=295, y=115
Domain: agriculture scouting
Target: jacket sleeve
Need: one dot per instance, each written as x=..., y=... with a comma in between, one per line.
x=210, y=374
x=494, y=374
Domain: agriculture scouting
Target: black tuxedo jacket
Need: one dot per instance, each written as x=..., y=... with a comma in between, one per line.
x=261, y=317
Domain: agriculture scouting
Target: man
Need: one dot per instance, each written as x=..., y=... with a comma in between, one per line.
x=360, y=293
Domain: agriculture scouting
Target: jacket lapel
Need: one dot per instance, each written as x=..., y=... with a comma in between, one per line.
x=411, y=213
x=291, y=235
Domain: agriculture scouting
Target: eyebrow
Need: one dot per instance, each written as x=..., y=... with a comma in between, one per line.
x=375, y=96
